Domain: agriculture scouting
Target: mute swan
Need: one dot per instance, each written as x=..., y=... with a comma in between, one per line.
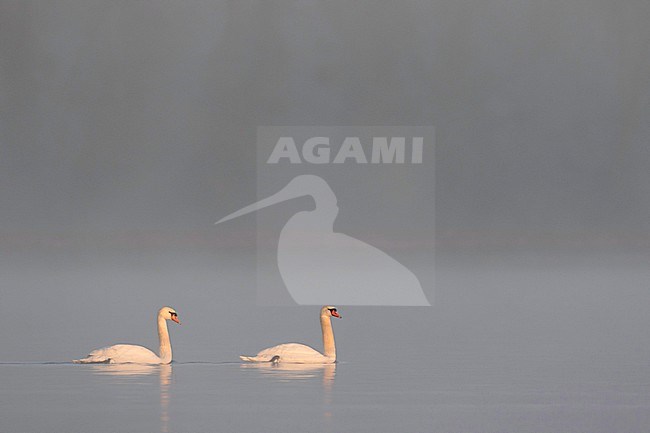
x=129, y=353
x=299, y=353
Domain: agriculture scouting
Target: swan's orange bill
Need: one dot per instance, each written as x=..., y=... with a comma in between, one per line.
x=335, y=313
x=175, y=319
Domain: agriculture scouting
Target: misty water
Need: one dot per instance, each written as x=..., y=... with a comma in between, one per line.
x=526, y=342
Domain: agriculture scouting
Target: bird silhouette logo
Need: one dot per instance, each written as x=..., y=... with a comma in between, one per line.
x=320, y=266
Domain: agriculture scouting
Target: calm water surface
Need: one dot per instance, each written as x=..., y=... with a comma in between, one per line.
x=527, y=345
x=458, y=392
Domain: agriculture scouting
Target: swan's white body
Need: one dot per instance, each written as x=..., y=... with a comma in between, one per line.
x=129, y=353
x=300, y=353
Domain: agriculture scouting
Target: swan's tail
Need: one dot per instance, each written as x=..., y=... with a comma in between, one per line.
x=92, y=360
x=274, y=360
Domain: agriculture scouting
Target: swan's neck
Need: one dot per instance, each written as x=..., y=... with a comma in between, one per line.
x=328, y=337
x=165, y=344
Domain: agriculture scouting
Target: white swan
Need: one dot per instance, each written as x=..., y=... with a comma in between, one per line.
x=129, y=353
x=299, y=353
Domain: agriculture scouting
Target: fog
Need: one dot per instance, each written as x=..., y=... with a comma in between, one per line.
x=129, y=128
x=144, y=114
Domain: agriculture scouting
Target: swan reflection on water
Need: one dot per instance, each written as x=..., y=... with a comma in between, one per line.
x=130, y=369
x=288, y=372
x=128, y=372
x=296, y=372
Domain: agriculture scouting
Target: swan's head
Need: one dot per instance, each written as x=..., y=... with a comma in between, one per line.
x=168, y=313
x=329, y=311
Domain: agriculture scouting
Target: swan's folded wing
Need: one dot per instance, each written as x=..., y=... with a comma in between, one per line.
x=120, y=353
x=290, y=353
